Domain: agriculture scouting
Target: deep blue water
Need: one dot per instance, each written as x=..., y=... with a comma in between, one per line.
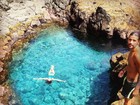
x=84, y=69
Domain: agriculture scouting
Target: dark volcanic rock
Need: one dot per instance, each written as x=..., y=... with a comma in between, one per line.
x=99, y=23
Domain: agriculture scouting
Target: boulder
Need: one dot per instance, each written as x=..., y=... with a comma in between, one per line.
x=1, y=90
x=1, y=69
x=118, y=61
x=4, y=5
x=5, y=53
x=1, y=64
x=62, y=3
x=3, y=76
x=35, y=23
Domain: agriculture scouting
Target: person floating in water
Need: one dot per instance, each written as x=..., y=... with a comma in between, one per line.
x=51, y=74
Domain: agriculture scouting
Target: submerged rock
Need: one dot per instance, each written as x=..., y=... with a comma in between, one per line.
x=62, y=96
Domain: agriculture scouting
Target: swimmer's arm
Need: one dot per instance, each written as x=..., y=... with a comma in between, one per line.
x=59, y=80
x=40, y=78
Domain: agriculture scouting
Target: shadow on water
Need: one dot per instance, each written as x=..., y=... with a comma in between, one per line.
x=102, y=42
x=99, y=90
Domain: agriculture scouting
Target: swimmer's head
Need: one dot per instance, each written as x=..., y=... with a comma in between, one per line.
x=48, y=81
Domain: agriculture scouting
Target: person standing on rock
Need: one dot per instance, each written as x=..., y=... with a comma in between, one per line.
x=131, y=84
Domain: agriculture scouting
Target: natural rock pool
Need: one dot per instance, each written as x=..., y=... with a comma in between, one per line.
x=84, y=68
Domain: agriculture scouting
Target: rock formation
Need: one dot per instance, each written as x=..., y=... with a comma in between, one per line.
x=119, y=61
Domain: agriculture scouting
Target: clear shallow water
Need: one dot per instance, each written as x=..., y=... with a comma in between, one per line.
x=84, y=69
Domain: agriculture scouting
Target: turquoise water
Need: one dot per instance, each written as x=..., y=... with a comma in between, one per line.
x=84, y=69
